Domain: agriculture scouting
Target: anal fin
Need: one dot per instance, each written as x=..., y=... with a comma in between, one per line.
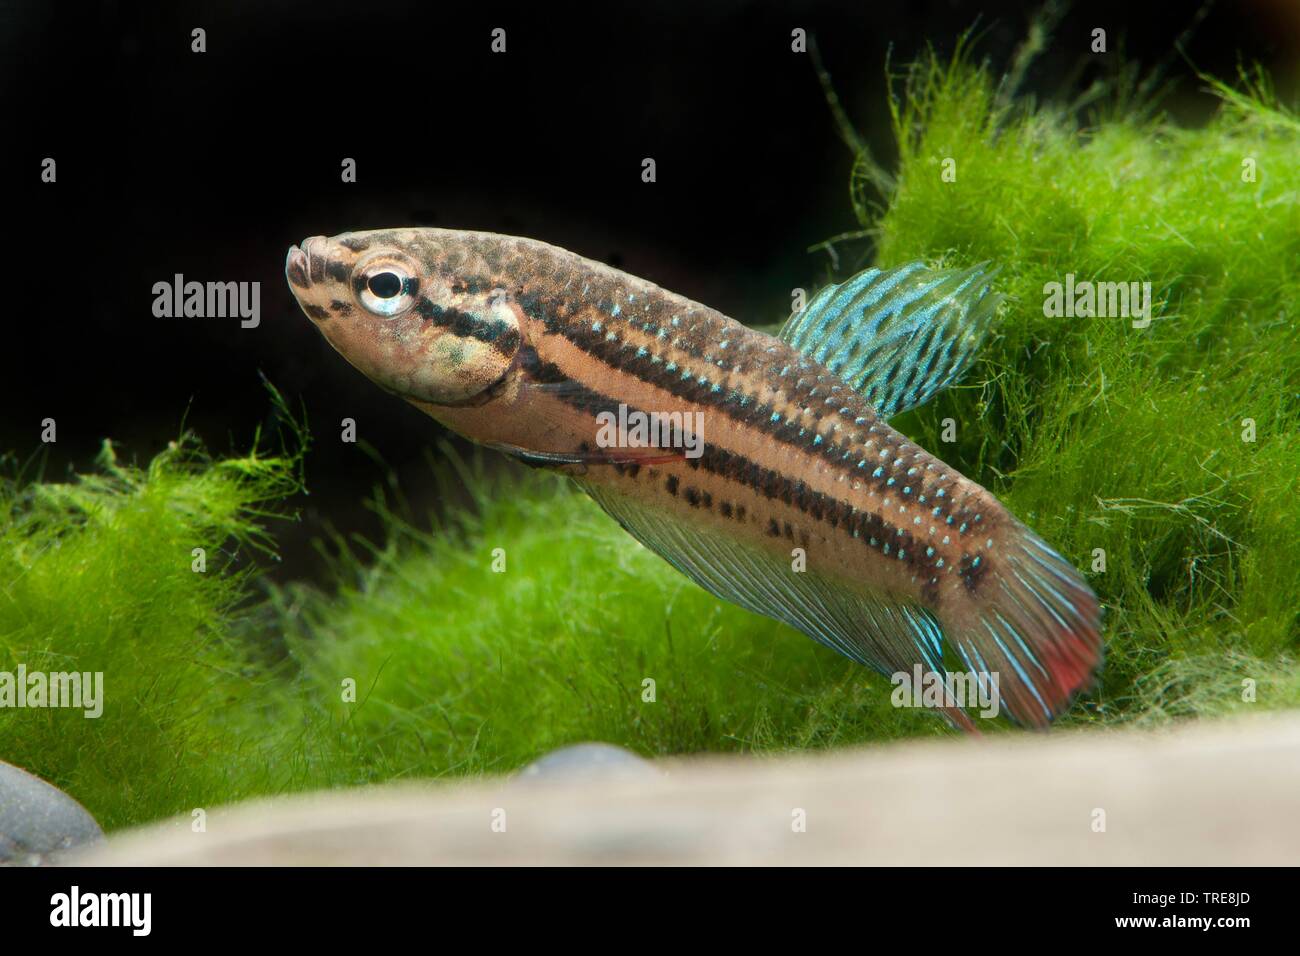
x=887, y=633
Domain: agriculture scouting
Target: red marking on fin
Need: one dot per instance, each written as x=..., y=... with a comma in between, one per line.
x=1035, y=624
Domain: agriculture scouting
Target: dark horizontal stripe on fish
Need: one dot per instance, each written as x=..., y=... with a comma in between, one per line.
x=731, y=466
x=572, y=393
x=745, y=409
x=698, y=498
x=654, y=369
x=501, y=335
x=866, y=525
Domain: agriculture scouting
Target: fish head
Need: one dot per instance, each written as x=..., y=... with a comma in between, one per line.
x=388, y=303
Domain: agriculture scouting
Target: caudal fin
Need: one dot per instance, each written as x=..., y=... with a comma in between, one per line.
x=1036, y=625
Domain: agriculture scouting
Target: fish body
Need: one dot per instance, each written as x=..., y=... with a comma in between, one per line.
x=796, y=499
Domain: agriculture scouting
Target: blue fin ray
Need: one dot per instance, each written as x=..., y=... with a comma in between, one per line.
x=887, y=633
x=897, y=336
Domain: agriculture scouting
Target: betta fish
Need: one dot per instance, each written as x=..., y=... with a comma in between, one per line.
x=726, y=450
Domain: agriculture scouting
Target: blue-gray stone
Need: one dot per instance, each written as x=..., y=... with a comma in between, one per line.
x=38, y=821
x=588, y=760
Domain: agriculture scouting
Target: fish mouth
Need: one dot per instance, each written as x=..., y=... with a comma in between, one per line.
x=300, y=263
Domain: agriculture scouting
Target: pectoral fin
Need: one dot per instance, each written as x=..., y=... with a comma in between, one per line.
x=600, y=456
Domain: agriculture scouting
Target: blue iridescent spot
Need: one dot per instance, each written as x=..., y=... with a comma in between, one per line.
x=962, y=529
x=939, y=493
x=929, y=552
x=975, y=563
x=878, y=472
x=596, y=326
x=889, y=483
x=901, y=554
x=817, y=440
x=616, y=310
x=670, y=367
x=907, y=489
x=776, y=416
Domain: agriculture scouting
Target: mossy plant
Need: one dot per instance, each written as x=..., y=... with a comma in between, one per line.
x=532, y=621
x=1173, y=449
x=421, y=659
x=100, y=576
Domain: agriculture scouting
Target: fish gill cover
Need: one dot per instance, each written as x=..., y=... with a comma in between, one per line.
x=1159, y=456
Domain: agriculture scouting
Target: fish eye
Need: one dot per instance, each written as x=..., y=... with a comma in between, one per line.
x=386, y=287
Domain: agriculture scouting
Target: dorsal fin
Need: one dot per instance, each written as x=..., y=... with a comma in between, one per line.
x=899, y=335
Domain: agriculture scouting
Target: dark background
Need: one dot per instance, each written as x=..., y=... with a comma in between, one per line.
x=212, y=164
